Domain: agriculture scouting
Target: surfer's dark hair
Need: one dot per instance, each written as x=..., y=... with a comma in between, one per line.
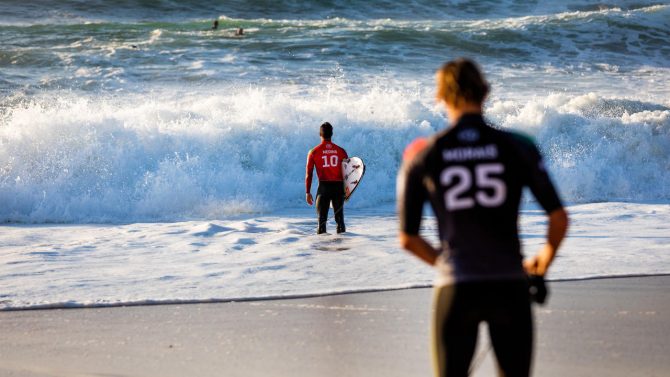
x=460, y=81
x=326, y=131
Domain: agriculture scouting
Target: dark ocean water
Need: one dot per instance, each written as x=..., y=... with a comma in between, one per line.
x=95, y=45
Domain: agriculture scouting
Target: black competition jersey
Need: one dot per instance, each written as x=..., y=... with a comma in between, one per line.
x=473, y=175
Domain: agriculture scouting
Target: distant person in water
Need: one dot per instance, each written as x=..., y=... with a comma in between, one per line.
x=215, y=25
x=473, y=175
x=327, y=159
x=239, y=31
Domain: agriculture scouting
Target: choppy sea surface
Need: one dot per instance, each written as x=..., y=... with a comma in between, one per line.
x=127, y=112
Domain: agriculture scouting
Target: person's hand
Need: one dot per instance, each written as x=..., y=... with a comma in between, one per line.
x=309, y=199
x=539, y=264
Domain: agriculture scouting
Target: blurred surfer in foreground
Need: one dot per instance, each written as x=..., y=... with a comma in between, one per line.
x=473, y=176
x=327, y=159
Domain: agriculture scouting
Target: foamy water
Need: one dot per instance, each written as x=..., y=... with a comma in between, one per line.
x=188, y=156
x=279, y=255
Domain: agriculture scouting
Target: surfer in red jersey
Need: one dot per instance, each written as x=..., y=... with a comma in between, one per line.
x=327, y=159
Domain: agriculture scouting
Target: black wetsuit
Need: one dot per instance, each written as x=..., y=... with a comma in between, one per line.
x=326, y=193
x=473, y=176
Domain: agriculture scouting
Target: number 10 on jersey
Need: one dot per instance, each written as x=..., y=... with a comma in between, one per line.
x=332, y=159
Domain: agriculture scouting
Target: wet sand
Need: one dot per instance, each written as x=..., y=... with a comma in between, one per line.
x=612, y=327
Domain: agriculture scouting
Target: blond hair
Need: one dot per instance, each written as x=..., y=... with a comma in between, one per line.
x=460, y=81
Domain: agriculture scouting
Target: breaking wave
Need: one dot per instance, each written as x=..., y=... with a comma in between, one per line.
x=175, y=156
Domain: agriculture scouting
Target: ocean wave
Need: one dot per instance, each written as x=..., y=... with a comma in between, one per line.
x=65, y=157
x=31, y=12
x=113, y=55
x=599, y=149
x=113, y=159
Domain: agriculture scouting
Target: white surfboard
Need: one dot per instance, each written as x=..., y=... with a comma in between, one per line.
x=352, y=170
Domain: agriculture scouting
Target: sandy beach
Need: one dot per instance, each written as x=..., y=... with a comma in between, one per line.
x=613, y=327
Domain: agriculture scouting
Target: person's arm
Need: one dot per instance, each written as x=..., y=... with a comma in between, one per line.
x=411, y=198
x=418, y=246
x=308, y=178
x=557, y=228
x=544, y=191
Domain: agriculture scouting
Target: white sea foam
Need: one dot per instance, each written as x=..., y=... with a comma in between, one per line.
x=599, y=149
x=279, y=255
x=177, y=156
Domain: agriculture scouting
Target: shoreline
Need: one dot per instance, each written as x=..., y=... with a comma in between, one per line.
x=58, y=306
x=615, y=327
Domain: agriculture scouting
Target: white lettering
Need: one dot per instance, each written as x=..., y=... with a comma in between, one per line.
x=471, y=153
x=491, y=190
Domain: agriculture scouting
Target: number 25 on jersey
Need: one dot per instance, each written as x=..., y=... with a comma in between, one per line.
x=490, y=190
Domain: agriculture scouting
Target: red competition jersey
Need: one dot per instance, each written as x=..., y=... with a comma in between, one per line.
x=327, y=158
